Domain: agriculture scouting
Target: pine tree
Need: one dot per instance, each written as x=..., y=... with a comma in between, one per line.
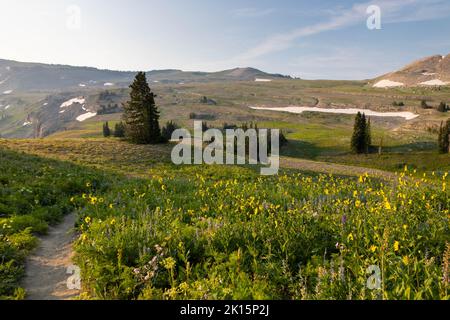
x=119, y=130
x=444, y=137
x=358, y=143
x=368, y=135
x=167, y=131
x=442, y=107
x=106, y=130
x=141, y=115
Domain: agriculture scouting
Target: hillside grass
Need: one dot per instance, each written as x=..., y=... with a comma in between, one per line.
x=151, y=230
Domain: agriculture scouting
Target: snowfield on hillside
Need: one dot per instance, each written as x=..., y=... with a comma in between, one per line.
x=435, y=82
x=368, y=112
x=387, y=84
x=70, y=102
x=86, y=116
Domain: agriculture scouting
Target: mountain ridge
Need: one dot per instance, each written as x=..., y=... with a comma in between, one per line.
x=29, y=76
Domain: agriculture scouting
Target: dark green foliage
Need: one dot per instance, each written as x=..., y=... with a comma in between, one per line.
x=442, y=107
x=398, y=104
x=141, y=115
x=444, y=137
x=109, y=109
x=119, y=130
x=368, y=134
x=167, y=131
x=362, y=137
x=424, y=104
x=34, y=194
x=106, y=130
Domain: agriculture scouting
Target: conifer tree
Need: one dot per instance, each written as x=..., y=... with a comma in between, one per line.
x=106, y=130
x=444, y=137
x=368, y=135
x=119, y=130
x=141, y=115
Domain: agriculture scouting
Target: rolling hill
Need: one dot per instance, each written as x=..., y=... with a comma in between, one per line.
x=430, y=71
x=21, y=76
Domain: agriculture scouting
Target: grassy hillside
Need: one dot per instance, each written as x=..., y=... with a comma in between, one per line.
x=151, y=230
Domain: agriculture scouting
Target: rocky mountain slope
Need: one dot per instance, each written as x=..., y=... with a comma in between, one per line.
x=431, y=71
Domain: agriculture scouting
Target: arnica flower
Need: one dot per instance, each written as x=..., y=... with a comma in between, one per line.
x=169, y=263
x=387, y=205
x=405, y=260
x=87, y=220
x=350, y=237
x=396, y=246
x=373, y=248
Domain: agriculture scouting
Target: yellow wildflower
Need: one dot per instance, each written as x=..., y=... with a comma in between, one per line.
x=405, y=260
x=396, y=246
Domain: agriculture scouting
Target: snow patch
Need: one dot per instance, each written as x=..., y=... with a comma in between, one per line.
x=387, y=84
x=86, y=116
x=262, y=80
x=108, y=84
x=82, y=85
x=368, y=112
x=428, y=74
x=435, y=82
x=27, y=123
x=68, y=103
x=8, y=92
x=7, y=107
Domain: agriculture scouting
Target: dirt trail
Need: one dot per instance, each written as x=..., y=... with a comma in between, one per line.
x=46, y=268
x=333, y=168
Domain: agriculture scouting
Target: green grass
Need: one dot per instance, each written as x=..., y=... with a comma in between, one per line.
x=35, y=193
x=152, y=230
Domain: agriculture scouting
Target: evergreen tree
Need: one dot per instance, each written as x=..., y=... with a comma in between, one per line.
x=106, y=130
x=442, y=107
x=444, y=137
x=361, y=141
x=119, y=130
x=141, y=115
x=368, y=135
x=168, y=130
x=359, y=134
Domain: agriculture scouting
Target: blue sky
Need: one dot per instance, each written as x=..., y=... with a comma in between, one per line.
x=308, y=39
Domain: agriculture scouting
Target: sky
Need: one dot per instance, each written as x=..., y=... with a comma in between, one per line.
x=307, y=39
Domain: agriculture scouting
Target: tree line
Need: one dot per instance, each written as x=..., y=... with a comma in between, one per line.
x=361, y=142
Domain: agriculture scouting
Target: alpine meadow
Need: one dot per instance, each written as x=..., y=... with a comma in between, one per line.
x=236, y=185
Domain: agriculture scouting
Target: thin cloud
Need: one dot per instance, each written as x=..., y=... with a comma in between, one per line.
x=393, y=10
